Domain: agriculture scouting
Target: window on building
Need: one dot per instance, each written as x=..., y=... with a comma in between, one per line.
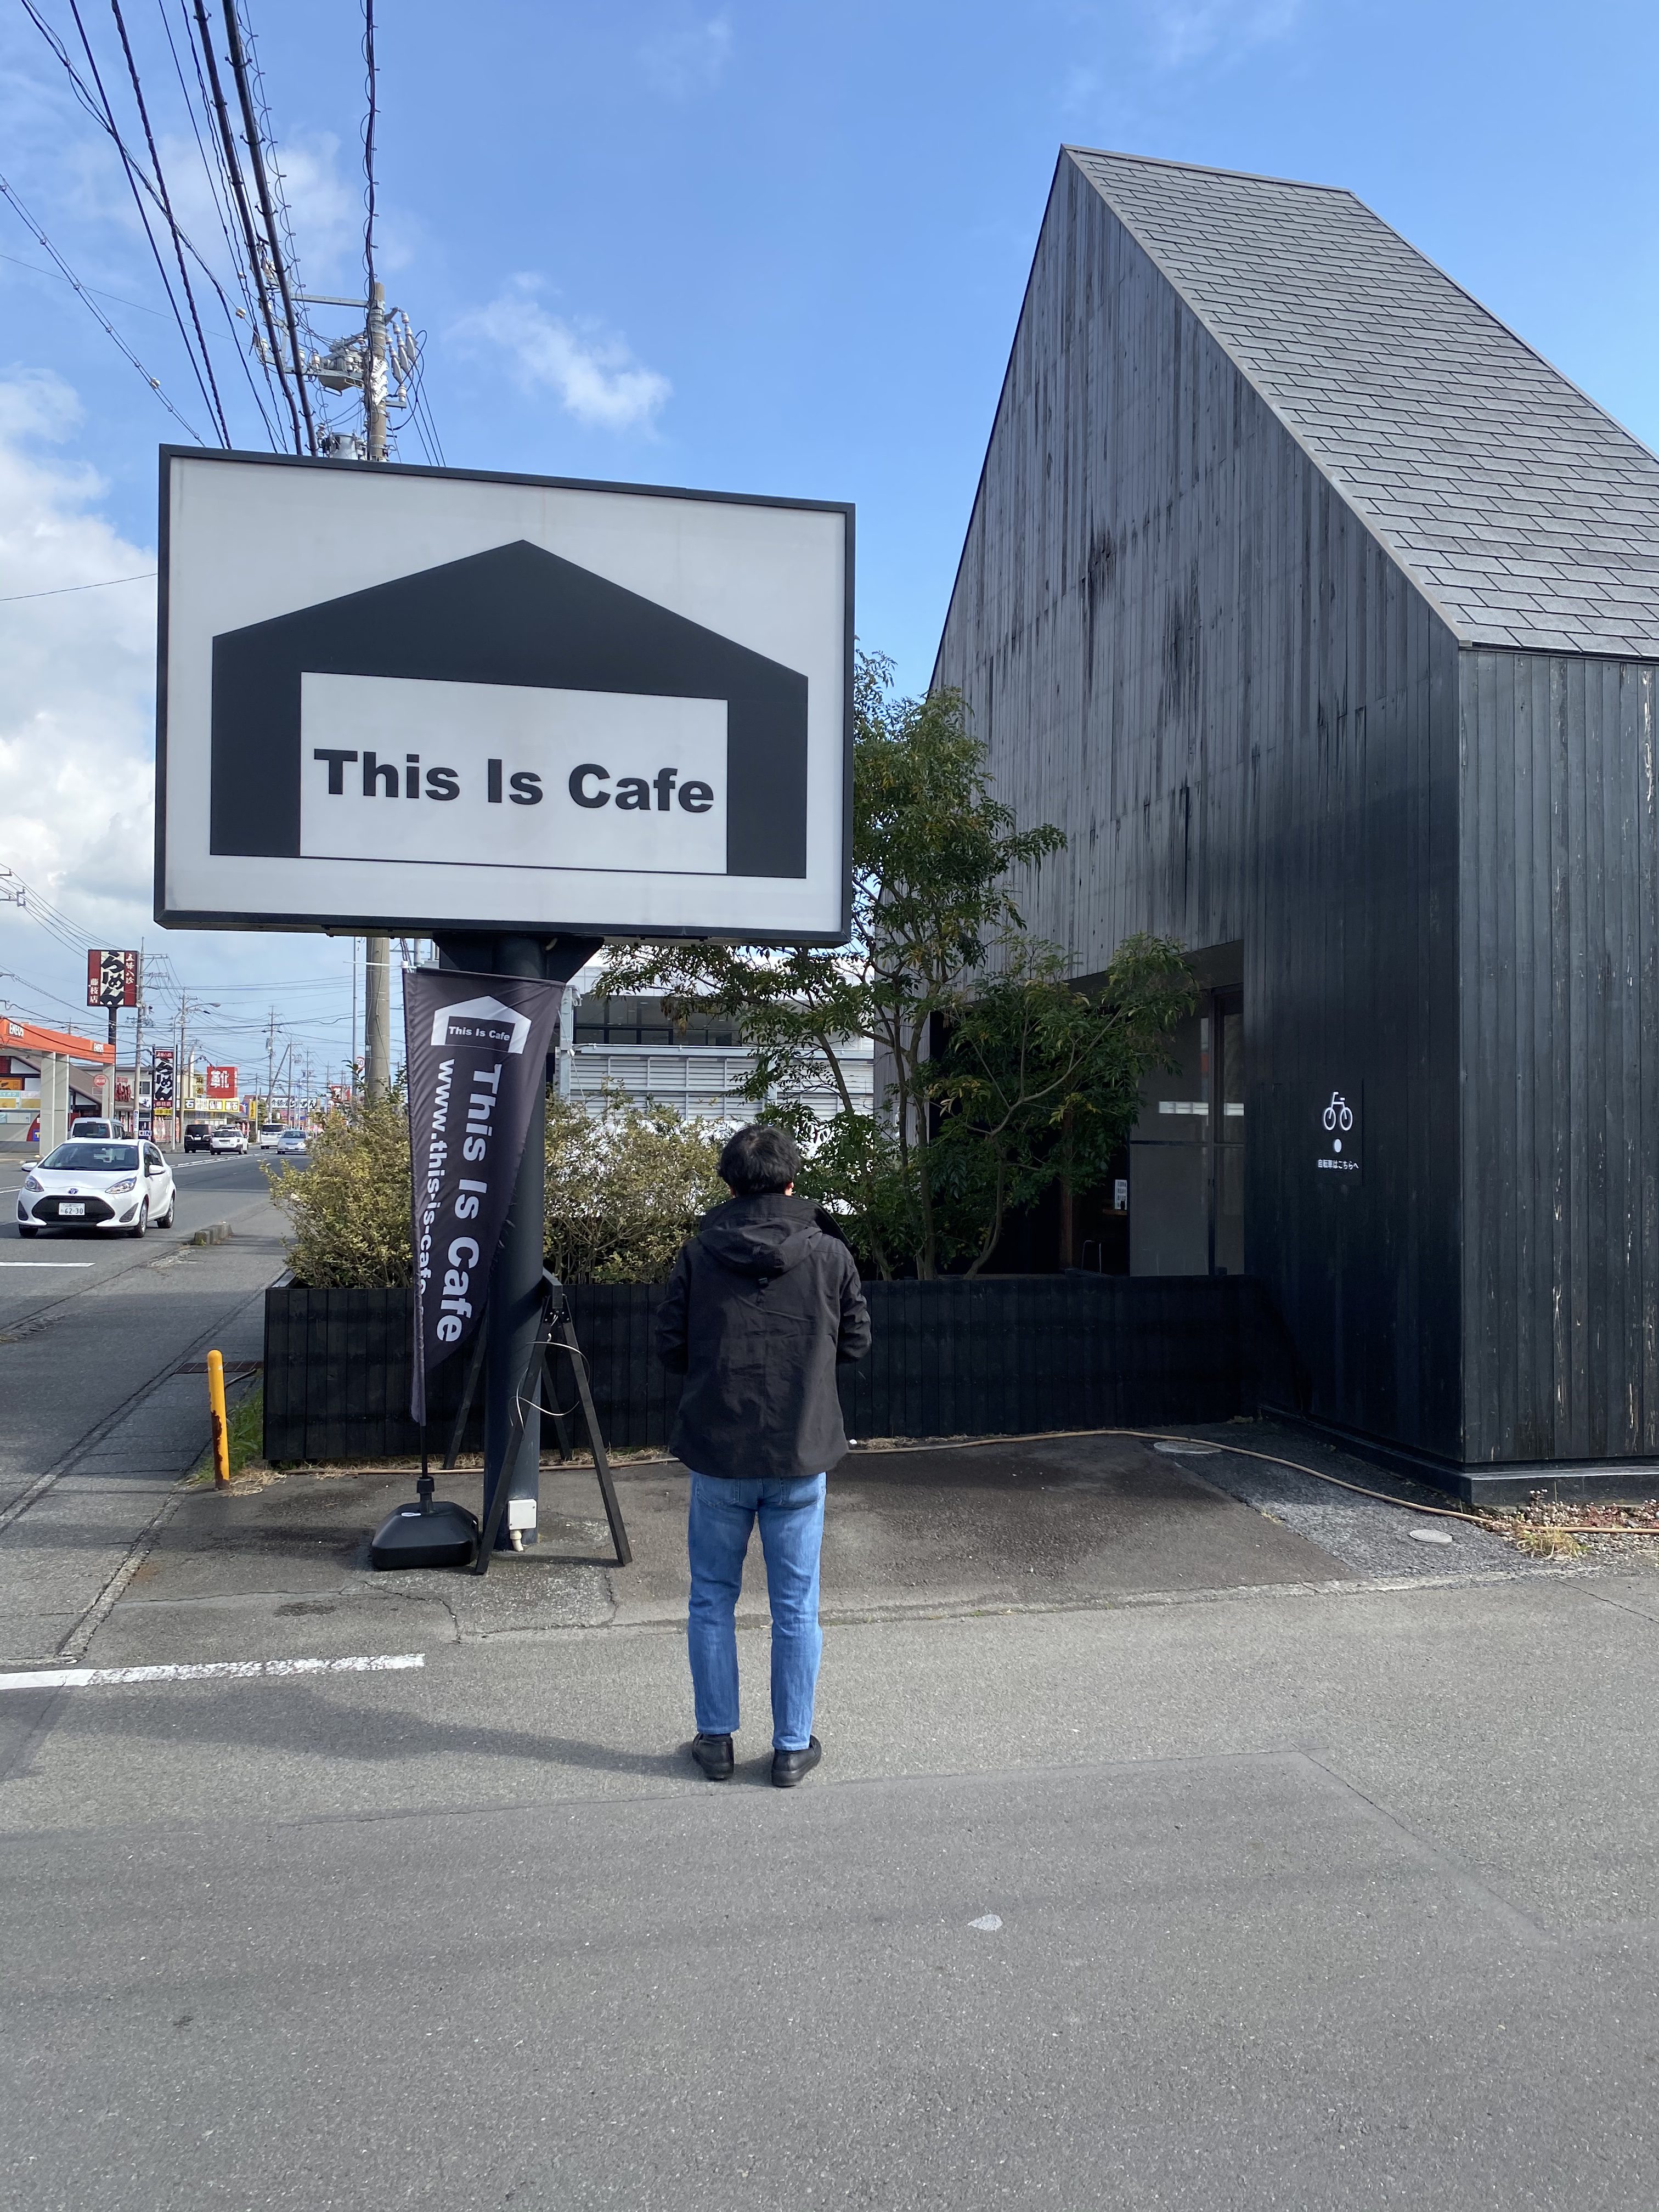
x=642, y=1021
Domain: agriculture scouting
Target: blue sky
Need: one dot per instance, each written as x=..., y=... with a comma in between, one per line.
x=769, y=248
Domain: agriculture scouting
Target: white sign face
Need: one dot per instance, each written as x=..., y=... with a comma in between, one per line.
x=482, y=775
x=432, y=701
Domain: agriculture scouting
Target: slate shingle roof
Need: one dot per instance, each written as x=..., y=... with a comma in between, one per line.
x=1525, y=515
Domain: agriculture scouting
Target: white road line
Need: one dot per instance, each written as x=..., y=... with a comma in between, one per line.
x=45, y=1263
x=220, y=1670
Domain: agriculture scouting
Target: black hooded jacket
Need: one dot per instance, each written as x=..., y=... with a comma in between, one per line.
x=763, y=1302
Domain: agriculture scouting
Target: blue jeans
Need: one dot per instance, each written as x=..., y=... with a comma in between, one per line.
x=791, y=1516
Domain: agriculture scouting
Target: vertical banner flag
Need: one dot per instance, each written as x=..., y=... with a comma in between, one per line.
x=161, y=1082
x=476, y=1050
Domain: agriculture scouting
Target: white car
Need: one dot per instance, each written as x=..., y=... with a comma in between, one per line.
x=228, y=1137
x=85, y=1125
x=290, y=1141
x=98, y=1184
x=271, y=1136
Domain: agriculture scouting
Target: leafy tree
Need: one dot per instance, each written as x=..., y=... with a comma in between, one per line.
x=1034, y=1082
x=1039, y=1083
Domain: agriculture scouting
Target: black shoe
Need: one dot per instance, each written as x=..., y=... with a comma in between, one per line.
x=714, y=1754
x=790, y=1768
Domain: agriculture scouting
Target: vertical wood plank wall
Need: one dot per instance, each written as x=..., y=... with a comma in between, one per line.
x=1560, y=958
x=1180, y=644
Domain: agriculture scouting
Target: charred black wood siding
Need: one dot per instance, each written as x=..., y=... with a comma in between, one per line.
x=1003, y=1355
x=1560, y=958
x=1181, y=645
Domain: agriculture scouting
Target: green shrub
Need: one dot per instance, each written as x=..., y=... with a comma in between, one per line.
x=348, y=1208
x=625, y=1187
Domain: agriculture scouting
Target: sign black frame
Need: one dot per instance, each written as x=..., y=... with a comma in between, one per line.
x=425, y=925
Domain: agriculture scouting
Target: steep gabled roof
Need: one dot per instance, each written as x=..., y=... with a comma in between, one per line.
x=1526, y=515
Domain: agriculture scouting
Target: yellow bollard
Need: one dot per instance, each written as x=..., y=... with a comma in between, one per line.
x=216, y=1367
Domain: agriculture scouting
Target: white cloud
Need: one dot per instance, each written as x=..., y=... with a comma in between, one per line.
x=689, y=57
x=327, y=211
x=1187, y=31
x=591, y=369
x=76, y=710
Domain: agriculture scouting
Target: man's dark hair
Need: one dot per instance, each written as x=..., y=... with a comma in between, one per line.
x=759, y=1160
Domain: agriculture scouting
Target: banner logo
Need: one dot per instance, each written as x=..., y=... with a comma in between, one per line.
x=481, y=1021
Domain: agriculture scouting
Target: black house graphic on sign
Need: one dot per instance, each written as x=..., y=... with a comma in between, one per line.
x=516, y=615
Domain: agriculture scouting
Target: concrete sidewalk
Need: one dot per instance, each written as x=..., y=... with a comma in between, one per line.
x=1068, y=1522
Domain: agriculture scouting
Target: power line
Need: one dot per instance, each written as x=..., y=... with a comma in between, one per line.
x=130, y=167
x=167, y=204
x=218, y=193
x=103, y=320
x=368, y=144
x=120, y=298
x=103, y=113
x=238, y=70
x=103, y=116
x=57, y=590
x=238, y=194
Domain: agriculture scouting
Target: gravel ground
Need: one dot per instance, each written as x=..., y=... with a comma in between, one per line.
x=1373, y=1539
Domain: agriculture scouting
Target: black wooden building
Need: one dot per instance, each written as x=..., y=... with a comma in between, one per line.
x=1323, y=615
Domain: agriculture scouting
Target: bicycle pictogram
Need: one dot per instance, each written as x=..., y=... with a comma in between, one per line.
x=1338, y=1115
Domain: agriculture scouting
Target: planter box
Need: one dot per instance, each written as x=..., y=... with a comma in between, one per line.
x=1002, y=1355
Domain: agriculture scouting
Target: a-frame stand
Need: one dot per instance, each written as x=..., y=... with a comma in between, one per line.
x=555, y=1335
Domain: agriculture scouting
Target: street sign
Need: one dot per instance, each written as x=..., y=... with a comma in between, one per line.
x=222, y=1082
x=112, y=979
x=433, y=700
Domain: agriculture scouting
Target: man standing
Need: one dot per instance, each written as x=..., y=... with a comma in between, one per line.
x=763, y=1302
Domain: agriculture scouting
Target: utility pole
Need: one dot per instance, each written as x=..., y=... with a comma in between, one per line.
x=137, y=1035
x=377, y=1017
x=271, y=1062
x=377, y=965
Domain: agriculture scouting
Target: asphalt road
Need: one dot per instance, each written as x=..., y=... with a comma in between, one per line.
x=87, y=1321
x=1311, y=1903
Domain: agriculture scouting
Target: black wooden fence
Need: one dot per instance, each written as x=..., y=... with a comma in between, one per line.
x=1002, y=1355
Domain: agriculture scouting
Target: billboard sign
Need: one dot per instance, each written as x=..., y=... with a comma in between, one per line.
x=222, y=1082
x=112, y=979
x=430, y=699
x=161, y=1080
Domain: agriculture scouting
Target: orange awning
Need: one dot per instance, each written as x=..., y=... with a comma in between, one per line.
x=29, y=1037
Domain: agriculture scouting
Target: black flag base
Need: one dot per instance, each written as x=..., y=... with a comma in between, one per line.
x=432, y=1533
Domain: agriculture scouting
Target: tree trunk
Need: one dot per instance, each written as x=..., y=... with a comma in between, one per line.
x=1067, y=1196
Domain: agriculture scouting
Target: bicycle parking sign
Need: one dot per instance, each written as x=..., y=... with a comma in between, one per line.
x=1338, y=1150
